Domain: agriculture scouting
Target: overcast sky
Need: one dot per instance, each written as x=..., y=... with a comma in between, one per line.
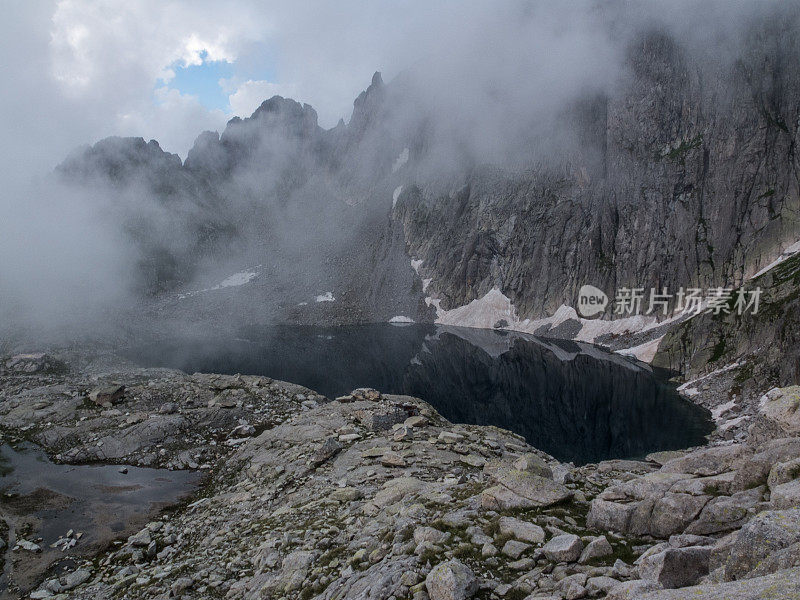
x=79, y=70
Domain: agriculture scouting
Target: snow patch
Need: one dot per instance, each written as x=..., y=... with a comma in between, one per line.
x=482, y=312
x=416, y=263
x=693, y=383
x=786, y=254
x=396, y=194
x=401, y=319
x=732, y=423
x=721, y=410
x=235, y=280
x=643, y=352
x=326, y=297
x=401, y=160
x=495, y=306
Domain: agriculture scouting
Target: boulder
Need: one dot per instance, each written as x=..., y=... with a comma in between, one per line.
x=328, y=450
x=714, y=485
x=534, y=464
x=778, y=416
x=74, y=579
x=663, y=457
x=786, y=495
x=429, y=534
x=764, y=535
x=108, y=395
x=726, y=513
x=597, y=548
x=396, y=489
x=451, y=580
x=605, y=515
x=521, y=530
x=754, y=470
x=573, y=586
x=783, y=472
x=141, y=539
x=708, y=461
x=514, y=549
x=527, y=489
x=563, y=548
x=380, y=419
x=676, y=567
x=672, y=513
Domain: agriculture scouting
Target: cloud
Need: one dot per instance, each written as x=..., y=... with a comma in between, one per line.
x=250, y=94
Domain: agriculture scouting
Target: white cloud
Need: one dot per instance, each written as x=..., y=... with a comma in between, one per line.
x=250, y=94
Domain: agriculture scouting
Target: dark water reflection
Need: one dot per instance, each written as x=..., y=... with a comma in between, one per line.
x=572, y=400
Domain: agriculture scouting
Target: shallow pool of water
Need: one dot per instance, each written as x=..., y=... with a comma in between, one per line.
x=575, y=401
x=97, y=500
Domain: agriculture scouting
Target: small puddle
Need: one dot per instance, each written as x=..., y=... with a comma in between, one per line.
x=41, y=499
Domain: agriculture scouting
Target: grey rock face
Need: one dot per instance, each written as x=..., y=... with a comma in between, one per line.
x=28, y=364
x=666, y=180
x=765, y=534
x=676, y=567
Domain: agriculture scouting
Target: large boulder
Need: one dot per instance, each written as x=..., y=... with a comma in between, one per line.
x=778, y=416
x=520, y=489
x=786, y=495
x=708, y=461
x=727, y=513
x=754, y=470
x=676, y=567
x=451, y=580
x=534, y=464
x=672, y=513
x=783, y=472
x=563, y=548
x=606, y=515
x=521, y=530
x=597, y=548
x=764, y=535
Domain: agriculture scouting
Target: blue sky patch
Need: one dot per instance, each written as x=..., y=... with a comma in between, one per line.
x=203, y=81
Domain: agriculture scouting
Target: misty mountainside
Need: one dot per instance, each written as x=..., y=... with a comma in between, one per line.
x=681, y=172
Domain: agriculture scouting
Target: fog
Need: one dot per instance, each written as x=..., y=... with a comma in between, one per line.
x=476, y=83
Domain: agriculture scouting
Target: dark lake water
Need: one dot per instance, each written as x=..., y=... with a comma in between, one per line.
x=574, y=401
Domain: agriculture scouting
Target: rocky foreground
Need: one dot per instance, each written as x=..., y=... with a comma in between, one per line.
x=378, y=496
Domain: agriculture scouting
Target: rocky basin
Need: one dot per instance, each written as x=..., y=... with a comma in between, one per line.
x=374, y=495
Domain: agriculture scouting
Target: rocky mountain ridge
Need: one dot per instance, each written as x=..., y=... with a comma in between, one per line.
x=684, y=175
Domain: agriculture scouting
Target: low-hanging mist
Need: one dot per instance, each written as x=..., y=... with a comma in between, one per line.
x=525, y=147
